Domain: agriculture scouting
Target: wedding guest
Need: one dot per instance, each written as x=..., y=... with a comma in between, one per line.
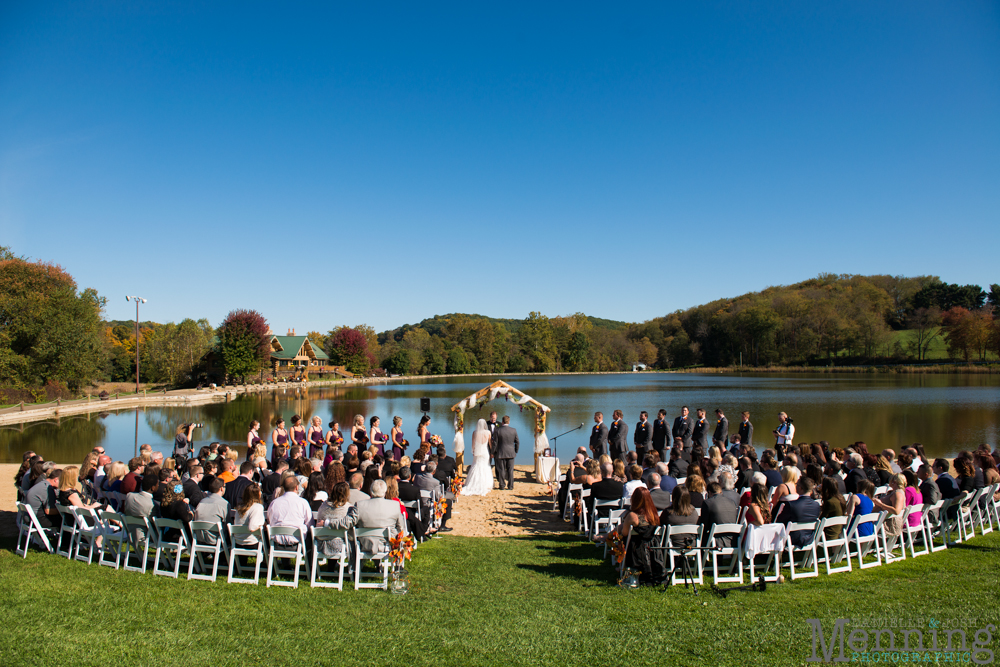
x=718, y=508
x=680, y=513
x=786, y=490
x=89, y=467
x=43, y=497
x=798, y=509
x=641, y=513
x=192, y=491
x=634, y=481
x=357, y=495
x=894, y=502
x=334, y=475
x=860, y=504
x=912, y=495
x=250, y=513
x=966, y=475
x=339, y=513
x=833, y=506
x=695, y=485
x=661, y=498
x=315, y=493
x=212, y=508
x=759, y=509
x=289, y=510
x=69, y=489
x=173, y=505
x=379, y=512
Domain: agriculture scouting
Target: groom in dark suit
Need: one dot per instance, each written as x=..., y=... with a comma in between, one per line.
x=503, y=449
x=684, y=428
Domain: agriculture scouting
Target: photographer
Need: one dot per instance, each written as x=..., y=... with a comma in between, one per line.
x=182, y=441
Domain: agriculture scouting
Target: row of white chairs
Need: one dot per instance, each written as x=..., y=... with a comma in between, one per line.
x=943, y=524
x=121, y=541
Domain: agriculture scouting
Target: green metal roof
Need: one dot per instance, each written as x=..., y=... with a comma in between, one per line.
x=290, y=346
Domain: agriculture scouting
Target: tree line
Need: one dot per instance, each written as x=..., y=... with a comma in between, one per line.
x=54, y=340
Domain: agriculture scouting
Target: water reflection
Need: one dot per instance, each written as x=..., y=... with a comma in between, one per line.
x=946, y=413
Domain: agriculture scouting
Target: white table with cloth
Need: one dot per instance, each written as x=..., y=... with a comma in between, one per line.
x=546, y=469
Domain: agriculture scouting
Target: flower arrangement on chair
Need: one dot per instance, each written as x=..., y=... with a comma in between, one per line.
x=457, y=484
x=616, y=544
x=440, y=507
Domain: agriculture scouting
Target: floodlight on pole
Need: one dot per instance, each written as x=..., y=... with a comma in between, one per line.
x=138, y=300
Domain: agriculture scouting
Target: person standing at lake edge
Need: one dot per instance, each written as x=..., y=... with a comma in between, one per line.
x=783, y=434
x=617, y=434
x=683, y=428
x=643, y=437
x=660, y=431
x=721, y=436
x=598, y=436
x=699, y=434
x=746, y=430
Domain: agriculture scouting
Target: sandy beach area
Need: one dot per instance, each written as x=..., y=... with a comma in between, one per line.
x=527, y=509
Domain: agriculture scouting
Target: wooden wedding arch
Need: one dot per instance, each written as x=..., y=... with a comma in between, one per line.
x=509, y=393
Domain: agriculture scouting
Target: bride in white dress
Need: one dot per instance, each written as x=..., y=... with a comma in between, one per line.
x=480, y=479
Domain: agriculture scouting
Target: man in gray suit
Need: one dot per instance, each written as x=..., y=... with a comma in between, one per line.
x=718, y=509
x=140, y=503
x=661, y=498
x=426, y=481
x=699, y=433
x=377, y=512
x=503, y=449
x=598, y=436
x=683, y=428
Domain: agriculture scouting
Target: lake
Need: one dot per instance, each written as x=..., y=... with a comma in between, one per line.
x=947, y=413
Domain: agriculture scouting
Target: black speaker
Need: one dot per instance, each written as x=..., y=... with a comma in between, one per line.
x=425, y=404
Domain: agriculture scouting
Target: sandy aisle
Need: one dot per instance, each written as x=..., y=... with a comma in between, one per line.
x=527, y=509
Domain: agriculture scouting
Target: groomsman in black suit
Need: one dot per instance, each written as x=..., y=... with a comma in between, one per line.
x=746, y=430
x=683, y=427
x=492, y=424
x=643, y=437
x=617, y=437
x=721, y=436
x=660, y=433
x=699, y=434
x=598, y=436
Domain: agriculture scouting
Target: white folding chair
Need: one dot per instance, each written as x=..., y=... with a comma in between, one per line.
x=29, y=527
x=380, y=557
x=914, y=534
x=318, y=578
x=114, y=539
x=994, y=506
x=950, y=522
x=881, y=490
x=296, y=552
x=428, y=496
x=600, y=516
x=584, y=521
x=780, y=537
x=981, y=510
x=864, y=545
x=733, y=552
x=933, y=526
x=88, y=529
x=834, y=550
x=614, y=519
x=198, y=550
x=137, y=542
x=806, y=553
x=237, y=536
x=67, y=532
x=568, y=509
x=674, y=553
x=170, y=551
x=968, y=510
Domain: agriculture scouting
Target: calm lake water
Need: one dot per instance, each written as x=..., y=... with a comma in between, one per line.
x=947, y=413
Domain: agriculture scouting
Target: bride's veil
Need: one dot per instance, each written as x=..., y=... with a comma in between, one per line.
x=481, y=437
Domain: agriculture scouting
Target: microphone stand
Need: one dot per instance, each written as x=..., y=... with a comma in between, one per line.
x=555, y=448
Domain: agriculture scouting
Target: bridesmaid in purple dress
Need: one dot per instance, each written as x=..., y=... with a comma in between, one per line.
x=316, y=439
x=279, y=442
x=298, y=432
x=398, y=443
x=377, y=436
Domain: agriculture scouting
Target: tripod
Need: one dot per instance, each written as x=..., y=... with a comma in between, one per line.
x=684, y=568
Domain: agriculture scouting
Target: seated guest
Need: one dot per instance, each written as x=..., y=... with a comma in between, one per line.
x=770, y=469
x=174, y=506
x=641, y=513
x=315, y=493
x=661, y=499
x=745, y=476
x=861, y=503
x=759, y=506
x=966, y=475
x=116, y=473
x=192, y=490
x=786, y=490
x=272, y=482
x=928, y=488
x=43, y=497
x=618, y=467
x=446, y=466
x=379, y=512
x=140, y=504
x=912, y=494
x=351, y=465
x=425, y=481
x=130, y=483
x=212, y=508
x=667, y=481
x=371, y=474
x=695, y=484
x=677, y=467
x=945, y=482
x=420, y=525
x=855, y=472
x=833, y=506
x=680, y=513
x=801, y=509
x=228, y=473
x=339, y=513
x=357, y=495
x=69, y=490
x=250, y=513
x=588, y=473
x=756, y=478
x=166, y=477
x=234, y=489
x=634, y=473
x=718, y=508
x=728, y=482
x=883, y=468
x=289, y=510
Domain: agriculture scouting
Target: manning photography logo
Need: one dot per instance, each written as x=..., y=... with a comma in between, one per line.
x=896, y=641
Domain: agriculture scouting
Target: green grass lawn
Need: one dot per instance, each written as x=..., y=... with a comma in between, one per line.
x=473, y=601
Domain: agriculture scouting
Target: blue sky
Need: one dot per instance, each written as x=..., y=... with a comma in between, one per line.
x=332, y=165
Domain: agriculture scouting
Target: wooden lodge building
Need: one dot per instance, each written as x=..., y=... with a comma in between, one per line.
x=292, y=358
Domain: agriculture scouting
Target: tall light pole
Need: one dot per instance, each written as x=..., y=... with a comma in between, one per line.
x=138, y=300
